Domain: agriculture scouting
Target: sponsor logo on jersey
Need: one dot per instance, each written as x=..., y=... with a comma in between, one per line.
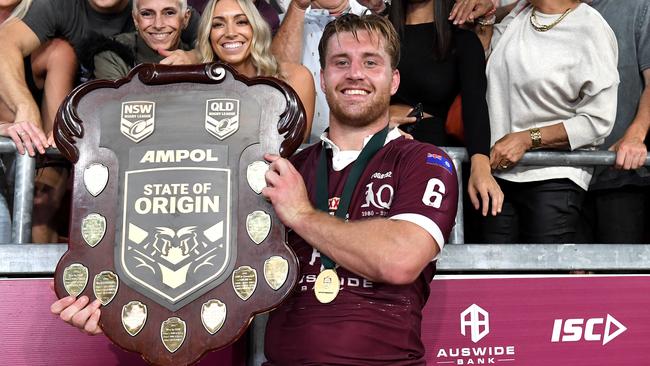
x=333, y=203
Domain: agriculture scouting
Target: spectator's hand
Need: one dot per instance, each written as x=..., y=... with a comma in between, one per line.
x=468, y=10
x=507, y=152
x=78, y=313
x=406, y=135
x=50, y=139
x=375, y=6
x=179, y=57
x=286, y=190
x=26, y=136
x=631, y=152
x=398, y=115
x=482, y=187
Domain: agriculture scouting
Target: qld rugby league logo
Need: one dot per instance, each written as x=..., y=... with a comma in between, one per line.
x=137, y=120
x=175, y=234
x=222, y=117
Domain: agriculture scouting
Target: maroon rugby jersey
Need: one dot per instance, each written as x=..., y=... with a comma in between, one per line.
x=368, y=323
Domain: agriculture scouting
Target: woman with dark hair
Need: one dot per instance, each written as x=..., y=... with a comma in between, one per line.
x=439, y=62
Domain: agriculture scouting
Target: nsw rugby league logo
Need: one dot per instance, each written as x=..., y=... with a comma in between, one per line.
x=222, y=117
x=137, y=120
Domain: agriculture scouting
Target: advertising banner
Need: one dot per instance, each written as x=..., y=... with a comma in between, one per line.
x=542, y=321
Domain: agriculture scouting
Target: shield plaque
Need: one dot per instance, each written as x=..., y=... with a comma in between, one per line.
x=167, y=220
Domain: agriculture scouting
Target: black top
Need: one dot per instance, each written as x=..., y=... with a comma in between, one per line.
x=436, y=84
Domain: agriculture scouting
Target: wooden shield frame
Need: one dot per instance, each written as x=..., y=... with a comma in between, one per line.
x=110, y=129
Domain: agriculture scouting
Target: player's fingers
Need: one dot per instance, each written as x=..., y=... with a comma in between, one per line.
x=67, y=313
x=58, y=306
x=81, y=317
x=92, y=325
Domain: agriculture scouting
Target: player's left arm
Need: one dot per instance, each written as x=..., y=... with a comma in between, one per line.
x=389, y=250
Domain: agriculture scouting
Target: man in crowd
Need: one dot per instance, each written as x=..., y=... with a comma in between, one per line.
x=374, y=255
x=74, y=21
x=617, y=203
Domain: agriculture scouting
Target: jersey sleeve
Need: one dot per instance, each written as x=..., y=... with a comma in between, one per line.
x=427, y=192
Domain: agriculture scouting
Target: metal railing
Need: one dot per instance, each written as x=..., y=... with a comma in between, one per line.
x=547, y=158
x=20, y=257
x=23, y=192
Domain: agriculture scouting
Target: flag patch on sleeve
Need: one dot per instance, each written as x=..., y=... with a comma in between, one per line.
x=437, y=159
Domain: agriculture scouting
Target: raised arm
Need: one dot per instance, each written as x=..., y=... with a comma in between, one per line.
x=26, y=130
x=17, y=41
x=287, y=43
x=300, y=79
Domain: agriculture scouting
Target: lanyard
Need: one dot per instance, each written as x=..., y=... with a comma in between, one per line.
x=322, y=194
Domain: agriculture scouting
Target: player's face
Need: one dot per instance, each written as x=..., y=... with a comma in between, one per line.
x=358, y=79
x=160, y=23
x=231, y=33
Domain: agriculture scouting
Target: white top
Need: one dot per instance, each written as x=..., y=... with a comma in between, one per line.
x=567, y=74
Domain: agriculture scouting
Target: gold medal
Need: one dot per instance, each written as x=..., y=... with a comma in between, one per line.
x=326, y=287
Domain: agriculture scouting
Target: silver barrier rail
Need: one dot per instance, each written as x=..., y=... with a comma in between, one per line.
x=547, y=158
x=23, y=196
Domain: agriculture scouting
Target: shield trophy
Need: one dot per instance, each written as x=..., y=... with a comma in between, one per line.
x=168, y=226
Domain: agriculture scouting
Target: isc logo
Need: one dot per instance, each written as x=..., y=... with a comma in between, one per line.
x=572, y=331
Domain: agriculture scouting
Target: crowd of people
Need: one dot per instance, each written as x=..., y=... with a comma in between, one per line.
x=558, y=75
x=542, y=88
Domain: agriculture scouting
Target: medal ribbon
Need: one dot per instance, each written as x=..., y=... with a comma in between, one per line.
x=322, y=182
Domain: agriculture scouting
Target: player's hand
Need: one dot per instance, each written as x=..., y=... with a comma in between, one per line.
x=509, y=149
x=468, y=10
x=179, y=57
x=79, y=313
x=631, y=152
x=286, y=190
x=483, y=188
x=27, y=137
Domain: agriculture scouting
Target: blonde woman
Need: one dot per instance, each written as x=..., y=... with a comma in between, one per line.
x=233, y=31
